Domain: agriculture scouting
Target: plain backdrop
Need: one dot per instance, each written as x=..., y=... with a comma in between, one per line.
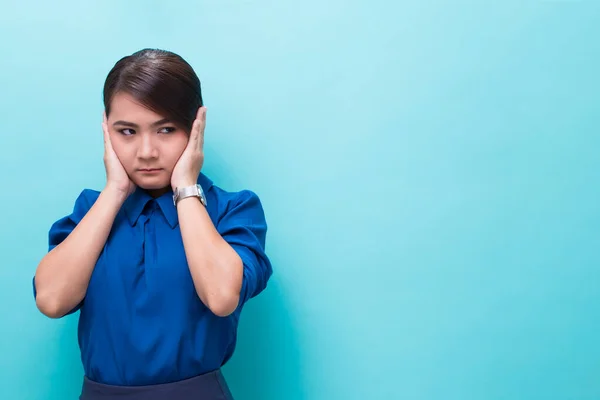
x=429, y=171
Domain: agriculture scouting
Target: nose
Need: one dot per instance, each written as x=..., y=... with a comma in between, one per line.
x=147, y=149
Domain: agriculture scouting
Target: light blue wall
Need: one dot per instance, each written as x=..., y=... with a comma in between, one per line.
x=430, y=172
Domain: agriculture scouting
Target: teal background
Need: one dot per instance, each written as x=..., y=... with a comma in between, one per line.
x=429, y=170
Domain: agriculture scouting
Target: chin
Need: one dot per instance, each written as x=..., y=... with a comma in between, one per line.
x=152, y=184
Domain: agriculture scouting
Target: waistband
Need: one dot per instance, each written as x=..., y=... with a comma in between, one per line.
x=209, y=386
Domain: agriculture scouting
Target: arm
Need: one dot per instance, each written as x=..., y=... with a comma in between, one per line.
x=227, y=263
x=62, y=276
x=216, y=268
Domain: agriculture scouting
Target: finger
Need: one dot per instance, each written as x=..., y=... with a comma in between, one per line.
x=201, y=117
x=107, y=142
x=193, y=140
x=201, y=127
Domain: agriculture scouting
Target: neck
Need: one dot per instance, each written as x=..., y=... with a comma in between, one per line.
x=156, y=193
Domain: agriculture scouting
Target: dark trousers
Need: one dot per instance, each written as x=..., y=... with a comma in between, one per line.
x=210, y=386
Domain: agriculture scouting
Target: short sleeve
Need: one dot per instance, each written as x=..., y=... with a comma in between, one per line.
x=244, y=227
x=64, y=226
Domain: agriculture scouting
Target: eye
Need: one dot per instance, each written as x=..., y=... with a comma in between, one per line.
x=168, y=129
x=123, y=132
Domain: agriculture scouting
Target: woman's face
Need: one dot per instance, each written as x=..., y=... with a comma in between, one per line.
x=147, y=144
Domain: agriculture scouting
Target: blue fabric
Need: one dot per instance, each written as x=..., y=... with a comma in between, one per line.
x=141, y=321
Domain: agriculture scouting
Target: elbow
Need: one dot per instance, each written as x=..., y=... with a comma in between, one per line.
x=49, y=306
x=225, y=300
x=224, y=305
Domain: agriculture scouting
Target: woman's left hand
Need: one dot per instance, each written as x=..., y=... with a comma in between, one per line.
x=188, y=166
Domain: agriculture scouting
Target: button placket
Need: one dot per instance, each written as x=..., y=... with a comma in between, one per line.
x=150, y=233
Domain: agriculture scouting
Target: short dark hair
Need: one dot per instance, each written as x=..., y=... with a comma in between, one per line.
x=160, y=80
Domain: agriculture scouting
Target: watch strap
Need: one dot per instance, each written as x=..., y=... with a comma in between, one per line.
x=189, y=191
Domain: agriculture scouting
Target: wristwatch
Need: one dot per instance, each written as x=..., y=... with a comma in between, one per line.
x=189, y=191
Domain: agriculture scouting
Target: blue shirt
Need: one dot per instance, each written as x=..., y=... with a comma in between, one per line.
x=141, y=321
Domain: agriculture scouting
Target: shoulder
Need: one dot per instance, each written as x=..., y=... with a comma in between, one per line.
x=228, y=200
x=88, y=196
x=241, y=218
x=84, y=201
x=64, y=225
x=223, y=198
x=240, y=205
x=233, y=198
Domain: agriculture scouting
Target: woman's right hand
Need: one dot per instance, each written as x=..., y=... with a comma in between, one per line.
x=116, y=176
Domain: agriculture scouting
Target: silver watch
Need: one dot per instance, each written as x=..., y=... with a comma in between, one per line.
x=189, y=191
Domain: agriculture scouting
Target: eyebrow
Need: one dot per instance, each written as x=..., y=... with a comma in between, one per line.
x=131, y=124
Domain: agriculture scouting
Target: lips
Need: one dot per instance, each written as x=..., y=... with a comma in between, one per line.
x=149, y=169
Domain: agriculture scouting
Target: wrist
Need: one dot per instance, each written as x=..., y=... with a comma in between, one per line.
x=182, y=183
x=117, y=195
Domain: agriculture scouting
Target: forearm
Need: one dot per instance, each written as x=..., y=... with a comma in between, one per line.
x=63, y=275
x=216, y=268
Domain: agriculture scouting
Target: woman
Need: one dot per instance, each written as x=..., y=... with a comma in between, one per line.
x=161, y=261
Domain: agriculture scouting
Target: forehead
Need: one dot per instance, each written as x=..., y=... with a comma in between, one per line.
x=125, y=107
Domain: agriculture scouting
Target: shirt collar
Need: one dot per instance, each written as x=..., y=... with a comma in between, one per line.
x=135, y=203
